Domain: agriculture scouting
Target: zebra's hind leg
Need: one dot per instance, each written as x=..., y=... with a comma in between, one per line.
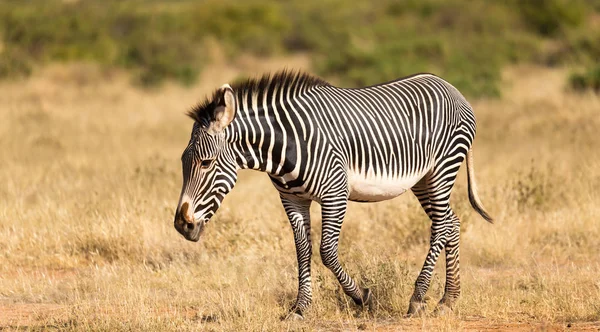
x=418, y=305
x=433, y=193
x=298, y=212
x=452, y=288
x=333, y=212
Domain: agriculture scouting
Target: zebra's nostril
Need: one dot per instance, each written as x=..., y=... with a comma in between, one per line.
x=189, y=226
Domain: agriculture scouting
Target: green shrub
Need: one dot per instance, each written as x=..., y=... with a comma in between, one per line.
x=589, y=80
x=468, y=43
x=454, y=42
x=548, y=17
x=155, y=41
x=14, y=63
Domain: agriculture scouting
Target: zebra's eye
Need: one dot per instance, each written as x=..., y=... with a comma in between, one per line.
x=206, y=163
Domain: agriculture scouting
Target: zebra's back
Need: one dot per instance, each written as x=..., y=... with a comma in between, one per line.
x=390, y=135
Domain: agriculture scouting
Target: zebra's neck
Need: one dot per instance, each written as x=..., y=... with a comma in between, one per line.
x=267, y=133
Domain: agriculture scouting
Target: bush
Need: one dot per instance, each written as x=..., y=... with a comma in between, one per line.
x=362, y=44
x=154, y=42
x=549, y=17
x=14, y=64
x=589, y=80
x=451, y=41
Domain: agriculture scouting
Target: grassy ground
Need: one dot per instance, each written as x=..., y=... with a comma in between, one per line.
x=91, y=176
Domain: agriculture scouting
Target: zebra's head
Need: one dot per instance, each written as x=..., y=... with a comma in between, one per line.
x=209, y=167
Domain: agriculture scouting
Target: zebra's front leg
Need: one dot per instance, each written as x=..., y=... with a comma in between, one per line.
x=333, y=215
x=298, y=212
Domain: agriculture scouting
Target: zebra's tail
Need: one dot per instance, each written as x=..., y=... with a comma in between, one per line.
x=473, y=197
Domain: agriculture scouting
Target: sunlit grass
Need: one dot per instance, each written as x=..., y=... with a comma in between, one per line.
x=91, y=176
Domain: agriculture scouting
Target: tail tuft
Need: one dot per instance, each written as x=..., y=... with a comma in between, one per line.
x=473, y=197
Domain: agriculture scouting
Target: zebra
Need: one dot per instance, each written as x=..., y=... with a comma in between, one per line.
x=322, y=143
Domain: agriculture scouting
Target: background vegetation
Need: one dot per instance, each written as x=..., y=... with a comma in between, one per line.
x=468, y=43
x=90, y=172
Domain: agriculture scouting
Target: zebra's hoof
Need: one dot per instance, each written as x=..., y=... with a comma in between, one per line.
x=416, y=309
x=294, y=316
x=442, y=309
x=366, y=301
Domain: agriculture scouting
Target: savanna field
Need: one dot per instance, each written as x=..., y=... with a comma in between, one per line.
x=91, y=177
x=93, y=97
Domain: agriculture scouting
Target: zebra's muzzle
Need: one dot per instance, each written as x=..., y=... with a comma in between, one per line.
x=191, y=231
x=186, y=225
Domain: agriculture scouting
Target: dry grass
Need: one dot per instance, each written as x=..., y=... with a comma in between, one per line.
x=91, y=175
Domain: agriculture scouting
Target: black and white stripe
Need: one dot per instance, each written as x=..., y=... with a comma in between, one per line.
x=327, y=144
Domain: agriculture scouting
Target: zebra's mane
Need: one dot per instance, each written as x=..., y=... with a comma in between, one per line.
x=266, y=83
x=280, y=79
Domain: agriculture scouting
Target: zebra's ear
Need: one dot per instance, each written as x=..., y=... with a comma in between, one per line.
x=225, y=110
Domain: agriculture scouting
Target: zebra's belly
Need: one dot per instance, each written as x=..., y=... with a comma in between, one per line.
x=371, y=188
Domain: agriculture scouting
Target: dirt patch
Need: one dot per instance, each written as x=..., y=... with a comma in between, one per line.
x=31, y=314
x=479, y=324
x=42, y=273
x=47, y=315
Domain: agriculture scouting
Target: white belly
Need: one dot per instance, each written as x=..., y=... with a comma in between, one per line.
x=371, y=188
